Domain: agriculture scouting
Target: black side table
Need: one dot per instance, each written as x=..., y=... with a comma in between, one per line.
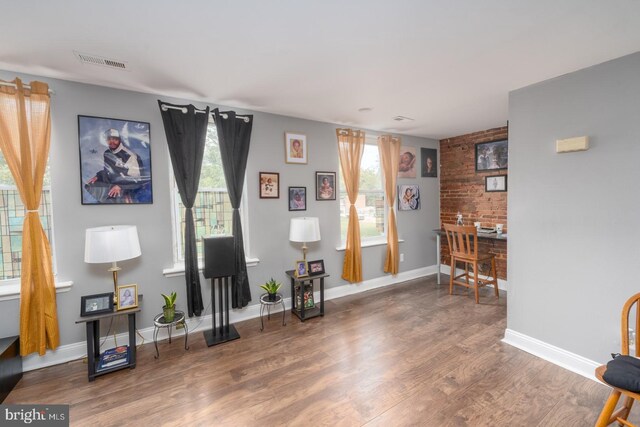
x=93, y=339
x=160, y=322
x=302, y=312
x=266, y=302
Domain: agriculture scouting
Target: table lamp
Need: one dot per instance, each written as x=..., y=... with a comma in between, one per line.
x=305, y=229
x=111, y=244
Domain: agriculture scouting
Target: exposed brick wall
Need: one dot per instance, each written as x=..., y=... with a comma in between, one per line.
x=462, y=190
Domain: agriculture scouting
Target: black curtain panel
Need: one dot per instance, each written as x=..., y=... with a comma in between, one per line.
x=234, y=137
x=186, y=132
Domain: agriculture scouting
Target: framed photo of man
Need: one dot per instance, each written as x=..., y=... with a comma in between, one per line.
x=295, y=148
x=115, y=161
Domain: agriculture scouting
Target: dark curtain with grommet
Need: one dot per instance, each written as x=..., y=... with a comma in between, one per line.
x=186, y=133
x=234, y=136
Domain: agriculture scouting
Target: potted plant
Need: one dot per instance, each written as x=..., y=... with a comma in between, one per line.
x=169, y=309
x=272, y=288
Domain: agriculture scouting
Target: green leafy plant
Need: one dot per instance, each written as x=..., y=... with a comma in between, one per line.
x=170, y=301
x=271, y=287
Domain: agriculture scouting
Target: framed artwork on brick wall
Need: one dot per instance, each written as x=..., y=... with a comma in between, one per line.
x=492, y=155
x=495, y=183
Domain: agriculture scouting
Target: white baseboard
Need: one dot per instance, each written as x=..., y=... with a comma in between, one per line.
x=556, y=355
x=69, y=352
x=446, y=269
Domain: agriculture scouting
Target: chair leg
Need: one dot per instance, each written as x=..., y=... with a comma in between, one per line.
x=452, y=274
x=495, y=276
x=609, y=406
x=628, y=403
x=476, y=285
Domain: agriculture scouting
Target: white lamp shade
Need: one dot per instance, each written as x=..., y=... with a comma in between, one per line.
x=112, y=243
x=306, y=229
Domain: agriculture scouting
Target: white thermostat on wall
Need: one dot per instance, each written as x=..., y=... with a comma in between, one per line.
x=579, y=143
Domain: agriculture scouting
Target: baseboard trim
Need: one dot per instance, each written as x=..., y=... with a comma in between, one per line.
x=445, y=269
x=70, y=352
x=556, y=355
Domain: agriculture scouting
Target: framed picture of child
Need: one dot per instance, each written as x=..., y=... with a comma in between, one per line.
x=325, y=186
x=302, y=269
x=295, y=148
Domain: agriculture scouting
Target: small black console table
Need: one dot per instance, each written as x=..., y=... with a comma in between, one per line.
x=93, y=340
x=302, y=312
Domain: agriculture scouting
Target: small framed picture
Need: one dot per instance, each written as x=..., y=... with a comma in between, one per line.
x=90, y=305
x=297, y=198
x=408, y=198
x=429, y=162
x=295, y=148
x=325, y=185
x=492, y=155
x=407, y=164
x=127, y=296
x=269, y=185
x=316, y=267
x=495, y=183
x=302, y=269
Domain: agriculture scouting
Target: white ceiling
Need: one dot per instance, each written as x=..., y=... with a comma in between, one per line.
x=448, y=64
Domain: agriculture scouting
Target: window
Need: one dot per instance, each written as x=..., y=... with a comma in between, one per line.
x=371, y=201
x=212, y=212
x=11, y=218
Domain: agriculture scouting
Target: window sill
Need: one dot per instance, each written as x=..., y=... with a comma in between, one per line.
x=12, y=291
x=178, y=268
x=368, y=243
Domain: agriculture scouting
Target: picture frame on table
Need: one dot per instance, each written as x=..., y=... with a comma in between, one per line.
x=269, y=185
x=127, y=297
x=301, y=269
x=495, y=183
x=316, y=267
x=295, y=148
x=325, y=186
x=91, y=305
x=492, y=155
x=115, y=161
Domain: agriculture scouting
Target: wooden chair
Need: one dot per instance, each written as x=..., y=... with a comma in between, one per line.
x=463, y=247
x=607, y=416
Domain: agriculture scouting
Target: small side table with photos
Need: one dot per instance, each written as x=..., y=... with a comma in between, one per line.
x=302, y=301
x=113, y=359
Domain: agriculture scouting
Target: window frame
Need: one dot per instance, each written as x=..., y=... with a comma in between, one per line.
x=178, y=258
x=380, y=239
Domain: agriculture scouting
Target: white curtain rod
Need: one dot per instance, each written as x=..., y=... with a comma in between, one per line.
x=184, y=111
x=15, y=86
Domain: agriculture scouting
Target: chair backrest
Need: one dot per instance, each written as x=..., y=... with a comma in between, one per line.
x=631, y=305
x=462, y=240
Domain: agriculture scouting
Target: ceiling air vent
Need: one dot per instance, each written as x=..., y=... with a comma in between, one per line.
x=402, y=119
x=98, y=60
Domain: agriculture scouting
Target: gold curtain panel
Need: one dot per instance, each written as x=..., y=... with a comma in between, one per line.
x=25, y=130
x=389, y=148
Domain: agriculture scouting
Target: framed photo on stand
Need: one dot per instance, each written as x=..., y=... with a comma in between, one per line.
x=127, y=296
x=90, y=305
x=316, y=267
x=302, y=269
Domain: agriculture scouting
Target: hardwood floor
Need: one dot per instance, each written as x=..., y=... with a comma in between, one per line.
x=404, y=355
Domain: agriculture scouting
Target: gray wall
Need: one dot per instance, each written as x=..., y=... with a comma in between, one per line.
x=268, y=219
x=573, y=217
